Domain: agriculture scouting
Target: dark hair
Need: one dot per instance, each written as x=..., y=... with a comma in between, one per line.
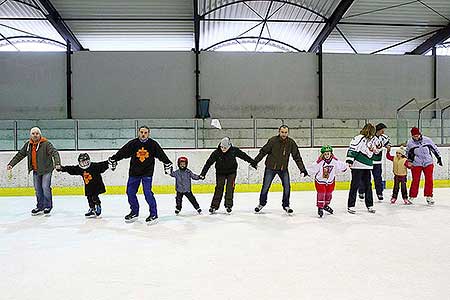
x=144, y=126
x=283, y=126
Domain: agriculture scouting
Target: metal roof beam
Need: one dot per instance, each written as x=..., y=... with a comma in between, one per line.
x=55, y=19
x=331, y=23
x=439, y=37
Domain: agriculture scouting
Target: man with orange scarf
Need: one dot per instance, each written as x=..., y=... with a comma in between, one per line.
x=42, y=159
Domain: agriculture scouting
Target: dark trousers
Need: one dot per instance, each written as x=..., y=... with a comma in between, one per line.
x=400, y=182
x=360, y=176
x=93, y=200
x=269, y=175
x=221, y=180
x=191, y=198
x=377, y=178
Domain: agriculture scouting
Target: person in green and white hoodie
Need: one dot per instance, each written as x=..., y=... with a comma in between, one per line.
x=359, y=159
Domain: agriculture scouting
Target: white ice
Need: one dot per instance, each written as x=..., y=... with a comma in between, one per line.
x=401, y=252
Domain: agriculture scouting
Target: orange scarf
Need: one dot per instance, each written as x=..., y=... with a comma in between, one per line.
x=34, y=149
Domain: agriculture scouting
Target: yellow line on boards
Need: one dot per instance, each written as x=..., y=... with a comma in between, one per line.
x=196, y=188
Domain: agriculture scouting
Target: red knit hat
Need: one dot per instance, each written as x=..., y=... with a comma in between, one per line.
x=415, y=131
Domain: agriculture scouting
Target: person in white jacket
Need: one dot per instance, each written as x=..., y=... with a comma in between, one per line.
x=324, y=172
x=359, y=158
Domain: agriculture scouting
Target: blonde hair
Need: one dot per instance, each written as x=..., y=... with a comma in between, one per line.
x=368, y=131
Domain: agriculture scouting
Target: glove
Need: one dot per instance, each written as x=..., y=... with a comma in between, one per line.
x=254, y=166
x=167, y=168
x=112, y=164
x=304, y=172
x=439, y=161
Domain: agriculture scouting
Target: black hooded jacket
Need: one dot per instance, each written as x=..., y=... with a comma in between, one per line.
x=226, y=163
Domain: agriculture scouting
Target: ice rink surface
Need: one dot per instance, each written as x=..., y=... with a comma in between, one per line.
x=401, y=252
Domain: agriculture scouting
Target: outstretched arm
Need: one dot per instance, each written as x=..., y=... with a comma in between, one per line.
x=266, y=149
x=244, y=156
x=209, y=162
x=21, y=154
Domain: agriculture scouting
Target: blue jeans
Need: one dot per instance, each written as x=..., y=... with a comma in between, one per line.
x=132, y=188
x=269, y=175
x=43, y=190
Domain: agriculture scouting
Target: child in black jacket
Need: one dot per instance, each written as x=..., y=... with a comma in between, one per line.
x=93, y=182
x=226, y=167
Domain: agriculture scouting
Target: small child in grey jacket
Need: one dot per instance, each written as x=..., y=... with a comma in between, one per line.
x=183, y=178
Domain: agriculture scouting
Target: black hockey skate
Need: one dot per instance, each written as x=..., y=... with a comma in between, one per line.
x=328, y=209
x=131, y=217
x=90, y=214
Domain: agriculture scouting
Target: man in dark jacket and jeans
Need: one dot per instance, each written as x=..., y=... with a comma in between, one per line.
x=226, y=167
x=42, y=158
x=142, y=152
x=278, y=149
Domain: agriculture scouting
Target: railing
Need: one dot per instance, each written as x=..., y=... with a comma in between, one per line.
x=197, y=133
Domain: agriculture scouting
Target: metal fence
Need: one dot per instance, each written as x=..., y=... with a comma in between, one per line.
x=104, y=134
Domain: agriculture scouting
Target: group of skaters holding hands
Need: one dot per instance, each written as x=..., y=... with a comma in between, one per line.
x=364, y=157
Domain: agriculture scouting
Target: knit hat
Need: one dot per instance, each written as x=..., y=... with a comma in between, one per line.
x=380, y=126
x=225, y=143
x=401, y=150
x=415, y=131
x=35, y=129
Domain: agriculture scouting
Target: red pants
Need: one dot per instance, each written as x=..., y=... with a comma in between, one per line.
x=324, y=194
x=416, y=173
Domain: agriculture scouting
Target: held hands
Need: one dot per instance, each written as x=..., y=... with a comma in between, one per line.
x=112, y=164
x=167, y=168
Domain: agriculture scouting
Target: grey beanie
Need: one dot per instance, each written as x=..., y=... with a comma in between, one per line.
x=225, y=142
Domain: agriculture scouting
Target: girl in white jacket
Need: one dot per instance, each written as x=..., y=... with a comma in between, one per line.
x=359, y=158
x=324, y=171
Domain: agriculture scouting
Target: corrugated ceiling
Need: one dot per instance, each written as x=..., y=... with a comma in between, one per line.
x=369, y=25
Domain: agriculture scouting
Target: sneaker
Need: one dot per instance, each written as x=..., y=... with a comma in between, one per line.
x=151, y=220
x=361, y=197
x=407, y=202
x=131, y=217
x=199, y=210
x=412, y=199
x=91, y=213
x=371, y=210
x=258, y=208
x=395, y=199
x=328, y=209
x=288, y=210
x=47, y=211
x=98, y=210
x=320, y=212
x=177, y=211
x=351, y=210
x=380, y=197
x=430, y=200
x=37, y=211
x=212, y=211
x=229, y=210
